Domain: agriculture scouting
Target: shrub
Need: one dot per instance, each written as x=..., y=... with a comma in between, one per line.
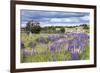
x=62, y=30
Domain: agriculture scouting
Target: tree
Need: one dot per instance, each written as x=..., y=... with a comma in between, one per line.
x=29, y=27
x=85, y=26
x=33, y=27
x=62, y=30
x=36, y=29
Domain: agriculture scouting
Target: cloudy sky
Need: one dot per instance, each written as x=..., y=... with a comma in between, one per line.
x=54, y=18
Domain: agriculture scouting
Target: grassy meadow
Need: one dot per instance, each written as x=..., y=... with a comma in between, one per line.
x=48, y=47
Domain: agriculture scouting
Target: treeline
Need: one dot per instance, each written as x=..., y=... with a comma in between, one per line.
x=34, y=27
x=52, y=29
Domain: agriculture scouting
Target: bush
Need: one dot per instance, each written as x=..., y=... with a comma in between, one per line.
x=85, y=26
x=36, y=29
x=33, y=27
x=62, y=30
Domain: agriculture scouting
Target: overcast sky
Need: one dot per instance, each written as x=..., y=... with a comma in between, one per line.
x=54, y=18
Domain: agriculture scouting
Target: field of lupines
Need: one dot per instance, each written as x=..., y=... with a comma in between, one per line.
x=54, y=47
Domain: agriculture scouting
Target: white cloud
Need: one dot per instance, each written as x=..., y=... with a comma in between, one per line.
x=75, y=19
x=60, y=20
x=72, y=19
x=85, y=18
x=56, y=20
x=23, y=24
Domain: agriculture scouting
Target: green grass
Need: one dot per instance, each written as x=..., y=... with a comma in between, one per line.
x=41, y=57
x=86, y=54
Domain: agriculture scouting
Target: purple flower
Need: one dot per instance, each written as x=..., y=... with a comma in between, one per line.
x=70, y=45
x=74, y=44
x=80, y=36
x=82, y=45
x=53, y=38
x=55, y=46
x=42, y=40
x=75, y=56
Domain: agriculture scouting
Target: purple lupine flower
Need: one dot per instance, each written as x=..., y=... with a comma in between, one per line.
x=75, y=56
x=55, y=46
x=70, y=45
x=65, y=41
x=42, y=40
x=75, y=44
x=53, y=38
x=78, y=35
x=82, y=36
x=82, y=45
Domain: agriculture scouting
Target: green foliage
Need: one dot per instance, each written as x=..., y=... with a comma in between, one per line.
x=36, y=29
x=33, y=27
x=85, y=55
x=42, y=57
x=49, y=29
x=85, y=26
x=62, y=30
